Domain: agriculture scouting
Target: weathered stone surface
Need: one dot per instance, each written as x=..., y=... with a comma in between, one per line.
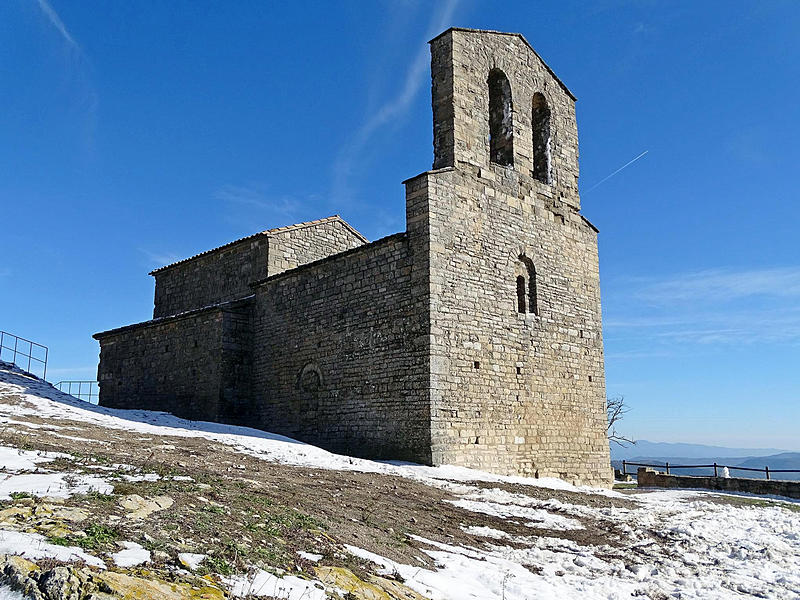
x=16, y=572
x=82, y=583
x=127, y=587
x=377, y=588
x=473, y=338
x=647, y=477
x=139, y=508
x=225, y=273
x=61, y=583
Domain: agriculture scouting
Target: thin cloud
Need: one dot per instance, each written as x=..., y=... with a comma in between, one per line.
x=158, y=259
x=711, y=307
x=56, y=22
x=724, y=285
x=391, y=109
x=255, y=197
x=78, y=69
x=722, y=327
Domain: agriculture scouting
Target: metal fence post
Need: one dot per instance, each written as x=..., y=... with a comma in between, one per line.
x=624, y=469
x=715, y=470
x=766, y=469
x=667, y=466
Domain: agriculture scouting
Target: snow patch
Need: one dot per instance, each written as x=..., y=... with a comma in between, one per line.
x=534, y=517
x=13, y=460
x=310, y=556
x=262, y=583
x=34, y=546
x=191, y=560
x=144, y=477
x=132, y=555
x=487, y=532
x=54, y=485
x=6, y=593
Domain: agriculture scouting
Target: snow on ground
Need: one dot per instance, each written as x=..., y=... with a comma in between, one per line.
x=13, y=478
x=54, y=485
x=674, y=544
x=262, y=583
x=13, y=460
x=533, y=517
x=309, y=556
x=710, y=551
x=33, y=546
x=131, y=555
x=191, y=560
x=6, y=593
x=44, y=401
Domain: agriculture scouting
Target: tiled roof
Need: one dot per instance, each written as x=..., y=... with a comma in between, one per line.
x=230, y=304
x=267, y=233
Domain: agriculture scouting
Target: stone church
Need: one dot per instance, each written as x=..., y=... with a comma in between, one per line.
x=472, y=338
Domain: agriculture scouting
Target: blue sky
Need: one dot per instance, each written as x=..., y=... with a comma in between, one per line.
x=136, y=133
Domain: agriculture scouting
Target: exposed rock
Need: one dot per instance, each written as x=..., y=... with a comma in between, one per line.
x=139, y=508
x=72, y=514
x=126, y=586
x=15, y=571
x=11, y=514
x=83, y=583
x=61, y=583
x=377, y=588
x=42, y=518
x=395, y=589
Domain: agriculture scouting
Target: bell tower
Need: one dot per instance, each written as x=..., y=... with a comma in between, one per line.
x=496, y=103
x=507, y=267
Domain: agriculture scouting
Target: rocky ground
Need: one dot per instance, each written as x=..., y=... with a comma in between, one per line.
x=106, y=504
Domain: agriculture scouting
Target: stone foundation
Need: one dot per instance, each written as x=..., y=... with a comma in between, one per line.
x=765, y=487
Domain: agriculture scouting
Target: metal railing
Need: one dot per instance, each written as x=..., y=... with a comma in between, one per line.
x=88, y=391
x=21, y=352
x=715, y=466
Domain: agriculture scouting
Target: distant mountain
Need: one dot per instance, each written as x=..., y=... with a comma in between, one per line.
x=643, y=448
x=785, y=460
x=693, y=454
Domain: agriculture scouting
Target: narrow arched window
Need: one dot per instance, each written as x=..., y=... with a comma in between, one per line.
x=540, y=119
x=525, y=271
x=501, y=121
x=521, y=293
x=533, y=301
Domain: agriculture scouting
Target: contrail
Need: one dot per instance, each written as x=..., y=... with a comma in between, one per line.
x=625, y=166
x=56, y=22
x=394, y=108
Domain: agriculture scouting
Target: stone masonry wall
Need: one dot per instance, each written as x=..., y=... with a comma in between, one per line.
x=293, y=246
x=460, y=64
x=341, y=357
x=225, y=274
x=430, y=345
x=195, y=366
x=511, y=392
x=651, y=478
x=217, y=276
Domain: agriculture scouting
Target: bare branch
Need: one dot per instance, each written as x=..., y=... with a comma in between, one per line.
x=616, y=410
